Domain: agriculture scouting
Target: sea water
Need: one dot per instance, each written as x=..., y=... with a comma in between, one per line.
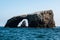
x=30, y=33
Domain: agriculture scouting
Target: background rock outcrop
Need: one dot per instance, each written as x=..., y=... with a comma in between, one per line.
x=43, y=19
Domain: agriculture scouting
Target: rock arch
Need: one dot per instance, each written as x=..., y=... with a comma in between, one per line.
x=38, y=19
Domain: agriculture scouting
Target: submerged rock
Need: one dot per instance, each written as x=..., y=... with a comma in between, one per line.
x=43, y=19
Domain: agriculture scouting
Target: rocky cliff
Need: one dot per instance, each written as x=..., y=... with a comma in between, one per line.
x=42, y=19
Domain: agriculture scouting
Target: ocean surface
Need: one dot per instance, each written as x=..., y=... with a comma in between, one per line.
x=29, y=33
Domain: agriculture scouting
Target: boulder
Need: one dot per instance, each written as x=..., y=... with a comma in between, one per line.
x=42, y=19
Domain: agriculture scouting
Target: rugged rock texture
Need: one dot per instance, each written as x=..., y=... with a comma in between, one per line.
x=43, y=19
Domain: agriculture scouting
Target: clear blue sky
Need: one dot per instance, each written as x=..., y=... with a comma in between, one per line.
x=10, y=8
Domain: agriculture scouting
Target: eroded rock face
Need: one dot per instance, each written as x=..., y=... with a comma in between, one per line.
x=47, y=17
x=43, y=19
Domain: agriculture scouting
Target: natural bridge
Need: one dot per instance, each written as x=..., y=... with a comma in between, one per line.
x=42, y=19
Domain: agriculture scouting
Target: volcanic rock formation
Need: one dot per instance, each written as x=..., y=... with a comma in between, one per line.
x=42, y=19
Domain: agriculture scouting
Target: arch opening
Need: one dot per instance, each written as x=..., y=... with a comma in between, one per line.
x=23, y=23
